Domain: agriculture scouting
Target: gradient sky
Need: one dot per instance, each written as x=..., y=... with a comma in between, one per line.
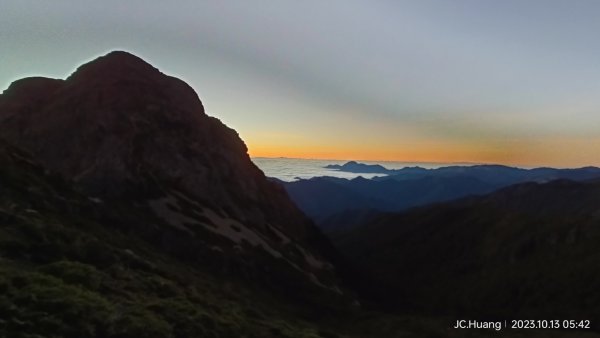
x=514, y=82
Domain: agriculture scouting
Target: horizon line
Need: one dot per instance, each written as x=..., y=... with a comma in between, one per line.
x=454, y=163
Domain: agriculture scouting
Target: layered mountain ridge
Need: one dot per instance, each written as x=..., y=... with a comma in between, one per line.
x=334, y=203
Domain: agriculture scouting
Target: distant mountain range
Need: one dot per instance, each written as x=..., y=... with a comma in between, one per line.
x=493, y=173
x=526, y=251
x=355, y=167
x=329, y=200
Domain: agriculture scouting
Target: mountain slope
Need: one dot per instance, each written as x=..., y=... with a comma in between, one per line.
x=139, y=141
x=525, y=251
x=75, y=266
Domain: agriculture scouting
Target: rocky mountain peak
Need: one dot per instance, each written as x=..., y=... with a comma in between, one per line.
x=117, y=123
x=116, y=63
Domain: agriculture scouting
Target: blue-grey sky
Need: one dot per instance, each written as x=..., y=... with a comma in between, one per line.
x=510, y=81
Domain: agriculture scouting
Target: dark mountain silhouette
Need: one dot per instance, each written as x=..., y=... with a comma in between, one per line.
x=141, y=170
x=526, y=251
x=328, y=200
x=119, y=123
x=355, y=167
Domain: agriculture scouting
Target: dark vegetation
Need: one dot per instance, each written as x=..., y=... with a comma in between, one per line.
x=526, y=251
x=67, y=273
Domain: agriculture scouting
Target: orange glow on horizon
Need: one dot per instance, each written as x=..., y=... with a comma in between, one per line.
x=559, y=153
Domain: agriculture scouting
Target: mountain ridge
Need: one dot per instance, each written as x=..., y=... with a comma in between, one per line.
x=409, y=187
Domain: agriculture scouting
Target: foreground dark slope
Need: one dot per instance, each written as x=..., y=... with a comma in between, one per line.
x=526, y=251
x=73, y=267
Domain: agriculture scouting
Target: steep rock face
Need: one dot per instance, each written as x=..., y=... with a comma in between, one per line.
x=117, y=124
x=117, y=119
